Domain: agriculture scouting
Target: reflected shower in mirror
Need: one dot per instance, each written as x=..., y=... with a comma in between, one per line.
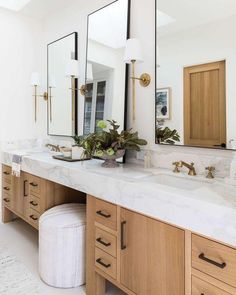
x=106, y=77
x=195, y=73
x=62, y=86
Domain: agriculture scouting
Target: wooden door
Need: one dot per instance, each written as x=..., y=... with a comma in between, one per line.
x=152, y=262
x=205, y=105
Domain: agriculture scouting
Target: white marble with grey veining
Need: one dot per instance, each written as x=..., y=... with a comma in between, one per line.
x=209, y=210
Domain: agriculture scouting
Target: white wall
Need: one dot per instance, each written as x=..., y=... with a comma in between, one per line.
x=20, y=55
x=207, y=43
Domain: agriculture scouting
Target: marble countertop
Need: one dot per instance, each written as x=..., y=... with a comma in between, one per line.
x=209, y=210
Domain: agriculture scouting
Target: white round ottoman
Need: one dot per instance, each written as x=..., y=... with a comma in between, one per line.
x=62, y=246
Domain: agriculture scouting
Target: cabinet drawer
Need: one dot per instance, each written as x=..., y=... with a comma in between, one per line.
x=6, y=174
x=6, y=198
x=6, y=188
x=106, y=214
x=200, y=287
x=33, y=217
x=105, y=262
x=105, y=241
x=34, y=203
x=35, y=184
x=214, y=259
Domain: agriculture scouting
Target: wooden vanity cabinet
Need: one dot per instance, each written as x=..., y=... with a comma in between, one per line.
x=149, y=256
x=29, y=196
x=213, y=267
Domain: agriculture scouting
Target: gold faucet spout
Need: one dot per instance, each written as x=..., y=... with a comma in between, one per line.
x=180, y=164
x=55, y=148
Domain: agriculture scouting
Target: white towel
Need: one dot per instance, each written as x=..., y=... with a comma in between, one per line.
x=16, y=165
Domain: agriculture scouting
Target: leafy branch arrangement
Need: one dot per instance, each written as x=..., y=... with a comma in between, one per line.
x=107, y=143
x=167, y=135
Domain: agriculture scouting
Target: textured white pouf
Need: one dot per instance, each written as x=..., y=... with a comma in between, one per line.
x=62, y=246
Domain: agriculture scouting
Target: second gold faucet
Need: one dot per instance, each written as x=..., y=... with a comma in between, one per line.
x=180, y=164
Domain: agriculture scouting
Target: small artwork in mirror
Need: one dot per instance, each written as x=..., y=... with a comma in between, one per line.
x=163, y=103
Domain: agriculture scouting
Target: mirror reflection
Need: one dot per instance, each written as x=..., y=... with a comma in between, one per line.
x=106, y=70
x=195, y=73
x=62, y=86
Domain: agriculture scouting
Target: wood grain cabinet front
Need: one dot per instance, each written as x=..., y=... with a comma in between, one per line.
x=200, y=287
x=7, y=200
x=214, y=259
x=106, y=242
x=152, y=256
x=29, y=196
x=6, y=174
x=140, y=255
x=106, y=214
x=106, y=263
x=33, y=217
x=35, y=184
x=35, y=203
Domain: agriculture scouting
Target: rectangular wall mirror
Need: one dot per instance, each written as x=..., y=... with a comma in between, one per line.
x=195, y=98
x=106, y=73
x=62, y=86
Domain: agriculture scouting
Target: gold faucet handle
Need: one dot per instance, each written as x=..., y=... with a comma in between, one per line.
x=177, y=165
x=210, y=170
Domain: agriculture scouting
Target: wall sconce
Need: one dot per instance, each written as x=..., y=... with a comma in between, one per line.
x=133, y=55
x=51, y=84
x=89, y=78
x=35, y=82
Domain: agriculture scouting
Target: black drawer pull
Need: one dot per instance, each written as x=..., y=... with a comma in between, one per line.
x=6, y=188
x=99, y=240
x=99, y=260
x=33, y=217
x=25, y=182
x=220, y=265
x=6, y=200
x=6, y=173
x=122, y=232
x=103, y=214
x=34, y=203
x=33, y=184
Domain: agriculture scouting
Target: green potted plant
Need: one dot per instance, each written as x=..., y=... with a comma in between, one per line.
x=166, y=135
x=109, y=145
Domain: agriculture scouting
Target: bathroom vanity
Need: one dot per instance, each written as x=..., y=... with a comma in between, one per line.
x=29, y=196
x=147, y=231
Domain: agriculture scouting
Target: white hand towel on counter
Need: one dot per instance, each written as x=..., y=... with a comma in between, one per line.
x=16, y=163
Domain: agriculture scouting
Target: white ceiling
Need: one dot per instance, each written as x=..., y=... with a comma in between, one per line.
x=14, y=5
x=108, y=26
x=42, y=8
x=192, y=13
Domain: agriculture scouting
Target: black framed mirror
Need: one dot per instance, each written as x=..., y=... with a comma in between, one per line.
x=106, y=72
x=62, y=68
x=195, y=70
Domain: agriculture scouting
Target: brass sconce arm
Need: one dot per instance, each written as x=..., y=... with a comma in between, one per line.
x=35, y=95
x=144, y=80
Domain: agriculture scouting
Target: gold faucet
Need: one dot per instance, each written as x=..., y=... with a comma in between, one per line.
x=54, y=148
x=180, y=164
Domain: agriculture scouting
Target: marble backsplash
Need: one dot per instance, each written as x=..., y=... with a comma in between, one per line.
x=162, y=156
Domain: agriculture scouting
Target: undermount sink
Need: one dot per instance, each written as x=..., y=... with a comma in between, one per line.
x=177, y=181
